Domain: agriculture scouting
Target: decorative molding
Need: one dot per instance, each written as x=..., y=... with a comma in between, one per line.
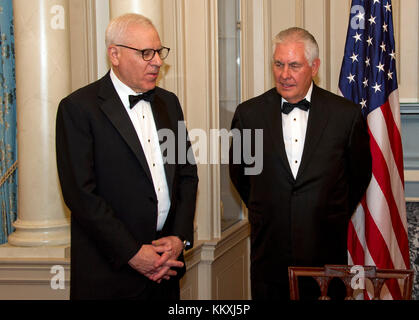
x=179, y=44
x=396, y=30
x=218, y=253
x=412, y=190
x=409, y=108
x=327, y=45
x=83, y=42
x=30, y=279
x=91, y=35
x=214, y=114
x=193, y=255
x=8, y=251
x=230, y=276
x=406, y=22
x=102, y=18
x=268, y=44
x=299, y=13
x=411, y=175
x=201, y=101
x=213, y=250
x=245, y=49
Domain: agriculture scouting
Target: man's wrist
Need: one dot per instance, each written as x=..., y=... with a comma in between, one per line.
x=185, y=242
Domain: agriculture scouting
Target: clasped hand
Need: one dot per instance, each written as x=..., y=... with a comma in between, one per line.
x=156, y=261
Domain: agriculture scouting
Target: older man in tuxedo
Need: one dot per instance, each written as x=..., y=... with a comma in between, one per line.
x=131, y=212
x=316, y=167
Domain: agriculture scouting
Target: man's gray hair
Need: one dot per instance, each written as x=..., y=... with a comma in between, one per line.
x=295, y=34
x=116, y=30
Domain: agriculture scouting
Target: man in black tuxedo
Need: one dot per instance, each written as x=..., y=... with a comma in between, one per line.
x=132, y=212
x=316, y=167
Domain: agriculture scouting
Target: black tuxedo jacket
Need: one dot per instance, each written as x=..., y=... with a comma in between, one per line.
x=107, y=185
x=302, y=221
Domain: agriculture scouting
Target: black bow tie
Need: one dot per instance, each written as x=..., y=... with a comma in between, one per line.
x=288, y=107
x=147, y=96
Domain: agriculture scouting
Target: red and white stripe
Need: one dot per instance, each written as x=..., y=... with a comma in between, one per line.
x=377, y=233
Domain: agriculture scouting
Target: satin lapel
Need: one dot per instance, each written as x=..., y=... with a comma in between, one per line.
x=317, y=121
x=162, y=120
x=116, y=113
x=273, y=119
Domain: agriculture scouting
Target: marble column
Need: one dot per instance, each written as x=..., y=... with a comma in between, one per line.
x=152, y=9
x=43, y=78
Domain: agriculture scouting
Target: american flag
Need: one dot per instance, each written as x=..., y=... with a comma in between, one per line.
x=377, y=233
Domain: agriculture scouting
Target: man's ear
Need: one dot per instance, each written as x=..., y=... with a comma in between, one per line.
x=315, y=67
x=113, y=55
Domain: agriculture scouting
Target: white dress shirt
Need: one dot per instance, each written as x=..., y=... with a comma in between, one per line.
x=294, y=126
x=142, y=118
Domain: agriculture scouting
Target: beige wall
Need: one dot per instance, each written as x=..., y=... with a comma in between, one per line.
x=218, y=266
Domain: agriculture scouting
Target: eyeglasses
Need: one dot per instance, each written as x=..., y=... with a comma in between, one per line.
x=148, y=54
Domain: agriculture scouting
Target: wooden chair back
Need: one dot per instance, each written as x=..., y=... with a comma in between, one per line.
x=347, y=273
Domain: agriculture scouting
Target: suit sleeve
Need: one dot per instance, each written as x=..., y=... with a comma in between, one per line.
x=236, y=162
x=359, y=161
x=76, y=170
x=186, y=187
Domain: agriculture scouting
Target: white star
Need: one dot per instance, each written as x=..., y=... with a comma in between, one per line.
x=351, y=77
x=357, y=37
x=387, y=6
x=380, y=67
x=369, y=41
x=372, y=20
x=354, y=57
x=383, y=46
x=376, y=1
x=363, y=103
x=377, y=87
x=360, y=16
x=392, y=55
x=367, y=62
x=389, y=75
x=385, y=27
x=365, y=82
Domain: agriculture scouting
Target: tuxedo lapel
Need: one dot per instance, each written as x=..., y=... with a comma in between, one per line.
x=317, y=121
x=273, y=119
x=162, y=121
x=116, y=113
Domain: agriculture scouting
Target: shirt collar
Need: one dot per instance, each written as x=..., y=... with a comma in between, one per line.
x=122, y=89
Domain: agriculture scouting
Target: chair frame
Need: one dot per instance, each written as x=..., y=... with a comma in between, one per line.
x=323, y=276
